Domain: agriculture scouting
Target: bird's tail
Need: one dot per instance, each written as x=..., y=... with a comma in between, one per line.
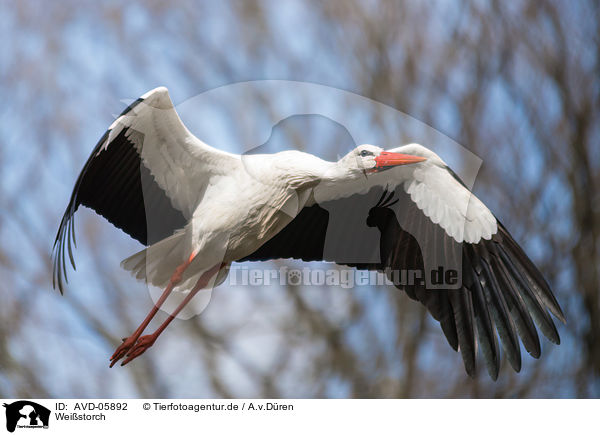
x=157, y=262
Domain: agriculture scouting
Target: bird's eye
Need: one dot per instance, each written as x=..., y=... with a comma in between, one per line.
x=365, y=153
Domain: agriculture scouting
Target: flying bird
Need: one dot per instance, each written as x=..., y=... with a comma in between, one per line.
x=198, y=209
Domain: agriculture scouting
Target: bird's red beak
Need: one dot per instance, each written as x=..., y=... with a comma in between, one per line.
x=387, y=160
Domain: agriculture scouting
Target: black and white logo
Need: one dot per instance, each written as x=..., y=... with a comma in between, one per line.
x=26, y=414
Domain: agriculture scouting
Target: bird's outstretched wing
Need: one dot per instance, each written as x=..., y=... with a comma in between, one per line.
x=499, y=290
x=146, y=175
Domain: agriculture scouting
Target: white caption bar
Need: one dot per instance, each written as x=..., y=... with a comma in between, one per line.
x=304, y=417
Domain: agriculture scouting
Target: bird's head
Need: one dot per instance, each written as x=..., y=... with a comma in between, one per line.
x=369, y=159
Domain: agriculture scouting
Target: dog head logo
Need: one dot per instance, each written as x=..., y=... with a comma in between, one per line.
x=26, y=414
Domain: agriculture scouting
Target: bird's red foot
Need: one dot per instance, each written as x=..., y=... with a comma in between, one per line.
x=140, y=347
x=122, y=350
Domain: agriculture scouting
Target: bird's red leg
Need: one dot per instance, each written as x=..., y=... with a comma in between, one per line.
x=146, y=341
x=130, y=341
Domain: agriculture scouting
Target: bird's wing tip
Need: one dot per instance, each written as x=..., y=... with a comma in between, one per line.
x=160, y=90
x=558, y=313
x=158, y=98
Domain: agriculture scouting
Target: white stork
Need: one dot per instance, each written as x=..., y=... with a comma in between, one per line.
x=198, y=209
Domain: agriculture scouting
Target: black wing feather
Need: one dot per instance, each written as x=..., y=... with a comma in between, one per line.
x=495, y=300
x=486, y=334
x=534, y=303
x=462, y=306
x=517, y=307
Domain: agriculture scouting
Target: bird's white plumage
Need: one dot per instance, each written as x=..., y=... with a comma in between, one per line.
x=449, y=204
x=180, y=162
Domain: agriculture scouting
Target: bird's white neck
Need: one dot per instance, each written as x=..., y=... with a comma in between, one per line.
x=302, y=170
x=294, y=169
